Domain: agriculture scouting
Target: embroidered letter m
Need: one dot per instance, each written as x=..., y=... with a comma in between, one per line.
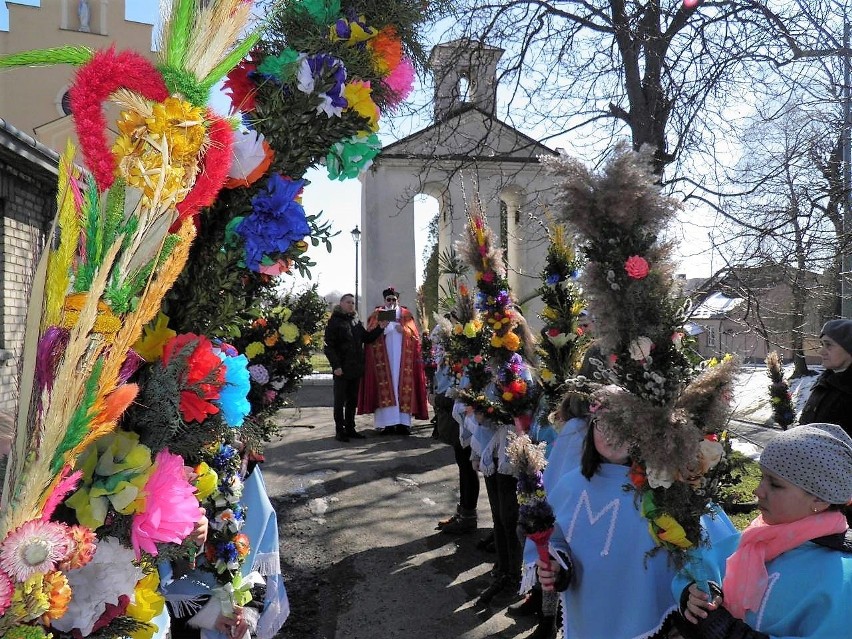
x=584, y=505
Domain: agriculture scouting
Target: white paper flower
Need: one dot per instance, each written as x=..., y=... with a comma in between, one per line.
x=640, y=348
x=659, y=477
x=103, y=580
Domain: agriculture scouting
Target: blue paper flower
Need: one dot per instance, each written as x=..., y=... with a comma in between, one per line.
x=233, y=397
x=277, y=220
x=553, y=279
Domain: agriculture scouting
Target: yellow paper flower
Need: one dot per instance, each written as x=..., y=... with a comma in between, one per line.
x=511, y=341
x=154, y=337
x=672, y=532
x=546, y=375
x=507, y=396
x=254, y=349
x=115, y=469
x=283, y=313
x=29, y=601
x=205, y=482
x=147, y=603
x=307, y=339
x=358, y=95
x=496, y=341
x=458, y=329
x=549, y=313
x=289, y=332
x=470, y=330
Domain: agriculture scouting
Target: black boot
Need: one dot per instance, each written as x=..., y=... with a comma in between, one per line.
x=464, y=523
x=353, y=434
x=500, y=583
x=340, y=435
x=546, y=629
x=528, y=606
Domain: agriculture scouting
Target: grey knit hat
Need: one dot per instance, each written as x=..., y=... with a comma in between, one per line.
x=840, y=330
x=815, y=457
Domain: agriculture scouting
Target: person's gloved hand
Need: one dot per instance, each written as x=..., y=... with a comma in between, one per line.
x=721, y=624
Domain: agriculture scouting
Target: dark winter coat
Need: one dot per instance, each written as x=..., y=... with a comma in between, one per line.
x=830, y=400
x=344, y=343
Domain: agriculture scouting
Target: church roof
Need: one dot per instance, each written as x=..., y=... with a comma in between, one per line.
x=468, y=133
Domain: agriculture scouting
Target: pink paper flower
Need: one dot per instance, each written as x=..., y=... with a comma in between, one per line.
x=7, y=589
x=637, y=267
x=171, y=508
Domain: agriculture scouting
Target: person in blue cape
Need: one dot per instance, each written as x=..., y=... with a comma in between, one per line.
x=193, y=597
x=605, y=550
x=789, y=574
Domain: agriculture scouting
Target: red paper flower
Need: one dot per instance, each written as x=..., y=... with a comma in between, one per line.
x=203, y=379
x=637, y=267
x=553, y=332
x=241, y=88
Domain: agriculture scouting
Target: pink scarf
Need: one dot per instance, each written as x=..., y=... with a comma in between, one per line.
x=746, y=578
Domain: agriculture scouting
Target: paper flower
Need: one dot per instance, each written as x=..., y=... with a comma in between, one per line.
x=204, y=378
x=110, y=575
x=205, y=481
x=349, y=158
x=171, y=508
x=33, y=547
x=241, y=88
x=637, y=267
x=277, y=220
x=114, y=471
x=232, y=399
x=83, y=545
x=154, y=338
x=7, y=589
x=351, y=31
x=400, y=82
x=254, y=349
x=147, y=603
x=328, y=72
x=640, y=348
x=358, y=95
x=251, y=158
x=289, y=332
x=55, y=587
x=258, y=373
x=386, y=48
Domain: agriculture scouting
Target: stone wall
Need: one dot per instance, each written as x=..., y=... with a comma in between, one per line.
x=27, y=207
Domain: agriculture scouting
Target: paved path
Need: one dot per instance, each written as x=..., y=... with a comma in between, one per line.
x=361, y=556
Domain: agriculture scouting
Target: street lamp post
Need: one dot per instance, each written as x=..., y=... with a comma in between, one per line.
x=356, y=237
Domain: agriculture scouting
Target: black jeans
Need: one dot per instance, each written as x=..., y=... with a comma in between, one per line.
x=503, y=499
x=345, y=402
x=468, y=478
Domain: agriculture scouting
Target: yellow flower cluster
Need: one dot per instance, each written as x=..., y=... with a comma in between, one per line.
x=158, y=152
x=509, y=341
x=106, y=322
x=42, y=596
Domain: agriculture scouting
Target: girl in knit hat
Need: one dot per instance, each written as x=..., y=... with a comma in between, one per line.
x=789, y=574
x=831, y=395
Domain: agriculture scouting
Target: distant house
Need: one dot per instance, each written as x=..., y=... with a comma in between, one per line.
x=748, y=312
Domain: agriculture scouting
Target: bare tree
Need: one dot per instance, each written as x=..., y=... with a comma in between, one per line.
x=657, y=70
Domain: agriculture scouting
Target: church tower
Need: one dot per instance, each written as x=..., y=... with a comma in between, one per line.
x=465, y=75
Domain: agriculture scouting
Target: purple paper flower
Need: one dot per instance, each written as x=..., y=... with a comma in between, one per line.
x=553, y=279
x=277, y=221
x=258, y=373
x=323, y=71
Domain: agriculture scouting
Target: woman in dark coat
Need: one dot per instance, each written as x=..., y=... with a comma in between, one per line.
x=344, y=347
x=830, y=400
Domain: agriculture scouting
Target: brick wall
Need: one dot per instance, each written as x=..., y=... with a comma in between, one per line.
x=27, y=206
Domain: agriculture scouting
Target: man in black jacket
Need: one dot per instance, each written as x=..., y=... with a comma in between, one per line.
x=344, y=347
